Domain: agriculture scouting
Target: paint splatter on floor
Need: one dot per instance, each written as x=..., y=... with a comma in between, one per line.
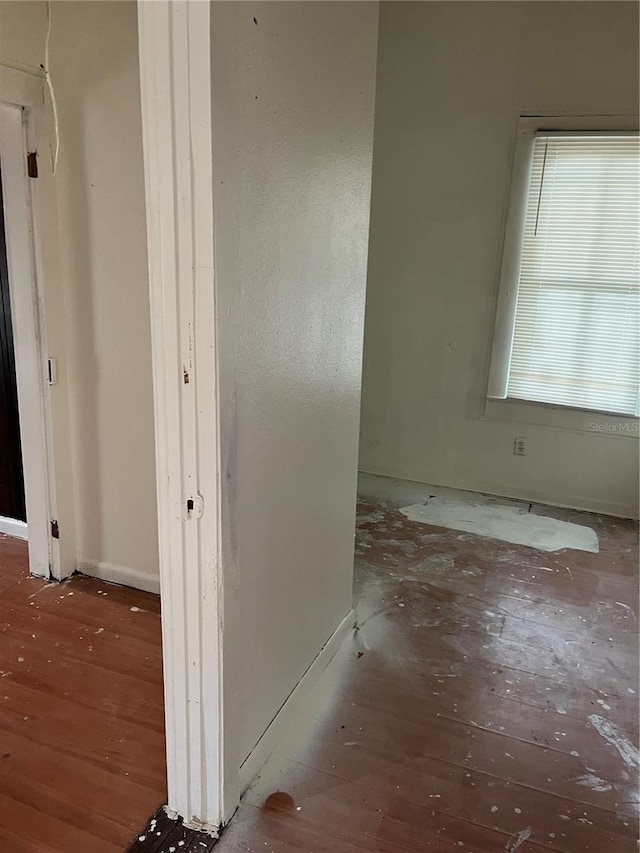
x=610, y=732
x=467, y=718
x=514, y=524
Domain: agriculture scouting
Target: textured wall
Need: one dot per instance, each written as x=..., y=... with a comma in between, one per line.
x=453, y=79
x=293, y=98
x=94, y=63
x=93, y=236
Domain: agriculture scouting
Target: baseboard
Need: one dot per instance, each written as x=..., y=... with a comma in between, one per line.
x=122, y=575
x=269, y=740
x=576, y=502
x=13, y=527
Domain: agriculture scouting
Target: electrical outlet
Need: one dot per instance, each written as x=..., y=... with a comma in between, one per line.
x=519, y=446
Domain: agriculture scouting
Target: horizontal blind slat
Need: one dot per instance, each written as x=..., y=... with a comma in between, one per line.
x=576, y=335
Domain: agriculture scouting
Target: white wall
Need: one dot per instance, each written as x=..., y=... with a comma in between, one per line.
x=94, y=64
x=453, y=79
x=293, y=132
x=93, y=231
x=23, y=28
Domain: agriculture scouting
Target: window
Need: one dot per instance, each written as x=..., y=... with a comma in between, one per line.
x=568, y=321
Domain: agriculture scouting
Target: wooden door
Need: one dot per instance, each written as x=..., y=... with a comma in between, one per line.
x=12, y=503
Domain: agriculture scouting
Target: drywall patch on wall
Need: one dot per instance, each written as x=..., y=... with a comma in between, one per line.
x=508, y=523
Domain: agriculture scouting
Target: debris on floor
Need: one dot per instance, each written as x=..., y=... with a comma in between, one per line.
x=508, y=523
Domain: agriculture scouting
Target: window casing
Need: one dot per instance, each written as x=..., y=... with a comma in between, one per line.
x=567, y=328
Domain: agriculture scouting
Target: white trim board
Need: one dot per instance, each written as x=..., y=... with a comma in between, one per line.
x=195, y=583
x=39, y=278
x=253, y=763
x=28, y=328
x=14, y=527
x=122, y=575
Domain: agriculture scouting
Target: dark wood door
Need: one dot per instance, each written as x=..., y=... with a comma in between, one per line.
x=11, y=478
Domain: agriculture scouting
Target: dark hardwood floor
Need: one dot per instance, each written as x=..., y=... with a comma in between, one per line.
x=487, y=703
x=82, y=763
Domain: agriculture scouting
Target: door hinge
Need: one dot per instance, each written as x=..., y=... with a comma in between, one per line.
x=32, y=164
x=55, y=530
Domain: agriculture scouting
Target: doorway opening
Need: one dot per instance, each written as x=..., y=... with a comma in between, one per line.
x=25, y=468
x=80, y=661
x=13, y=512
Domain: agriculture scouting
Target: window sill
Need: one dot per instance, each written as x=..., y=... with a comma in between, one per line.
x=561, y=417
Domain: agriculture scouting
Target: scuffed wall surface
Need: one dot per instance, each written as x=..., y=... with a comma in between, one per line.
x=293, y=98
x=452, y=80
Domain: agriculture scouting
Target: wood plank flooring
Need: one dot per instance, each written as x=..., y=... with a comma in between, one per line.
x=488, y=702
x=82, y=761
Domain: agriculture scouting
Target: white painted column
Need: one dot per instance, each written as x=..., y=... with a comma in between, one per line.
x=174, y=41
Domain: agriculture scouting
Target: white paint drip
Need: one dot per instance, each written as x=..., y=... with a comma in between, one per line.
x=507, y=523
x=594, y=783
x=626, y=607
x=201, y=826
x=609, y=732
x=46, y=586
x=517, y=842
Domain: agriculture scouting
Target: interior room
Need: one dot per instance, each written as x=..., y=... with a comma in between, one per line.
x=488, y=699
x=82, y=719
x=366, y=265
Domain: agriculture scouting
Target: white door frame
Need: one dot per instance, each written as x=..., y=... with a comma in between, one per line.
x=175, y=73
x=19, y=95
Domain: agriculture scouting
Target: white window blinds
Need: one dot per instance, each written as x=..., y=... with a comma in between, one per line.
x=575, y=338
